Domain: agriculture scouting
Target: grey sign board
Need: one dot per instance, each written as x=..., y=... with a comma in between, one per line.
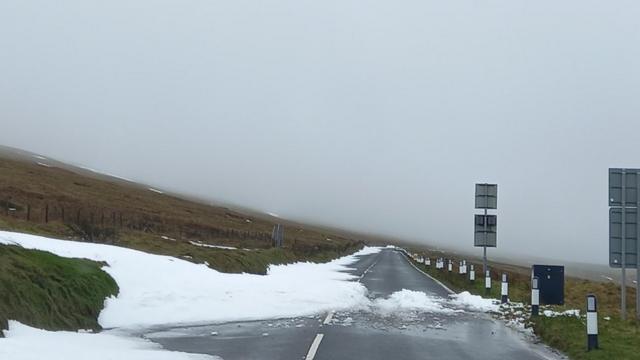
x=488, y=238
x=630, y=179
x=631, y=237
x=486, y=196
x=278, y=235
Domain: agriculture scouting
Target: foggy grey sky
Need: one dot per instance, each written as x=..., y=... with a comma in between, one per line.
x=369, y=115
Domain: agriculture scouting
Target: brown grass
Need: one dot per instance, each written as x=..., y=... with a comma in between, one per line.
x=94, y=203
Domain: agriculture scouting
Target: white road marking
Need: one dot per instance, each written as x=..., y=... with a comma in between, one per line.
x=327, y=320
x=430, y=277
x=314, y=347
x=367, y=270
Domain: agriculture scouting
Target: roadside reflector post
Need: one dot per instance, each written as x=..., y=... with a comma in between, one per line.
x=427, y=261
x=535, y=296
x=505, y=289
x=472, y=273
x=592, y=322
x=487, y=282
x=450, y=265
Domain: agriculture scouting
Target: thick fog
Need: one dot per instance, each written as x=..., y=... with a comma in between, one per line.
x=376, y=116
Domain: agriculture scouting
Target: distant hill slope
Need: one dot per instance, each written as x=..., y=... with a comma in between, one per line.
x=44, y=196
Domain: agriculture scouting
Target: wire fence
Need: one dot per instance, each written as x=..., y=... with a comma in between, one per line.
x=97, y=223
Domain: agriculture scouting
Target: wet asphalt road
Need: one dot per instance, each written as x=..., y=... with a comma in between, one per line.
x=363, y=334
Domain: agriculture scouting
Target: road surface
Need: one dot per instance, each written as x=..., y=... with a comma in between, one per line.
x=362, y=334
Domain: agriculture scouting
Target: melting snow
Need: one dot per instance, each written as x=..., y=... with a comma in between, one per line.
x=212, y=246
x=157, y=290
x=474, y=302
x=26, y=343
x=550, y=313
x=409, y=300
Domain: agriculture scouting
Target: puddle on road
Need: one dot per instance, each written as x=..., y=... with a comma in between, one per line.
x=236, y=330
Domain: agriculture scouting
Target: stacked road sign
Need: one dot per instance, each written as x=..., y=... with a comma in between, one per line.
x=624, y=218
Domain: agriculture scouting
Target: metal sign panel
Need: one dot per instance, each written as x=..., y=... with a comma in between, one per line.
x=488, y=239
x=631, y=180
x=486, y=196
x=278, y=235
x=631, y=237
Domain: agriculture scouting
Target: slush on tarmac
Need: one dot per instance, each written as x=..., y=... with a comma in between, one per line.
x=410, y=317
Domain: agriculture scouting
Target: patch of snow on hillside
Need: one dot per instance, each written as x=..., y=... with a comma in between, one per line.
x=157, y=290
x=212, y=246
x=156, y=190
x=26, y=343
x=104, y=173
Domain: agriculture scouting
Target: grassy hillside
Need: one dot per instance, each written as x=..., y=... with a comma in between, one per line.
x=618, y=339
x=46, y=291
x=46, y=197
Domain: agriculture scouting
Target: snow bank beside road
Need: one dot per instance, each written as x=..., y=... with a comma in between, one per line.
x=409, y=300
x=474, y=302
x=156, y=290
x=26, y=343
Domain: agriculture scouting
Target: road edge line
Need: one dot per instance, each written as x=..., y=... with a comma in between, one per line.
x=429, y=276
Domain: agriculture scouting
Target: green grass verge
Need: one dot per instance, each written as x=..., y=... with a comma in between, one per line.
x=46, y=291
x=617, y=339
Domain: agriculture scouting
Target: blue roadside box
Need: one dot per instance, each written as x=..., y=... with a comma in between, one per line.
x=550, y=282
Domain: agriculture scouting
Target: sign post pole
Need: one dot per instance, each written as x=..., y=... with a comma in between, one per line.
x=623, y=287
x=486, y=237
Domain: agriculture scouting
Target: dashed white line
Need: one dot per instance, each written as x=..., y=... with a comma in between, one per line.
x=367, y=270
x=314, y=347
x=327, y=320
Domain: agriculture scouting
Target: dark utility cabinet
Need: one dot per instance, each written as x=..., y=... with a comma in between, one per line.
x=550, y=282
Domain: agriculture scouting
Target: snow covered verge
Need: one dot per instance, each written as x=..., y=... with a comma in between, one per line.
x=157, y=290
x=26, y=343
x=474, y=302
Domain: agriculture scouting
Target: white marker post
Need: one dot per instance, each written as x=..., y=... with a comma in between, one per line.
x=450, y=268
x=535, y=297
x=592, y=322
x=505, y=289
x=427, y=261
x=487, y=282
x=472, y=273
